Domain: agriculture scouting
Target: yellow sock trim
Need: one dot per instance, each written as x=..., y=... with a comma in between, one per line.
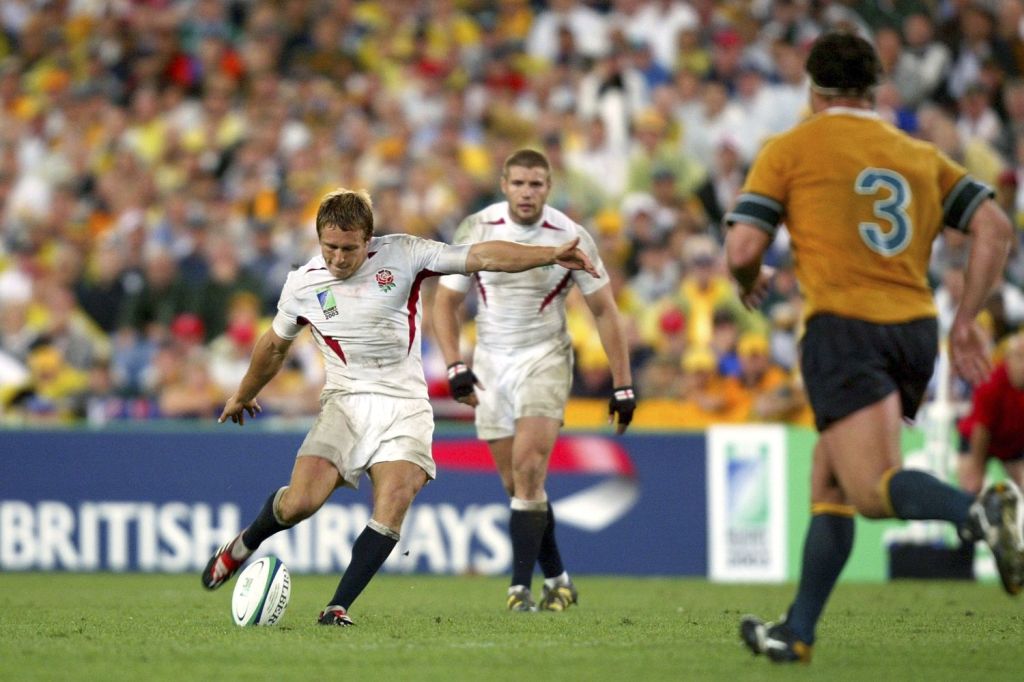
x=834, y=509
x=883, y=491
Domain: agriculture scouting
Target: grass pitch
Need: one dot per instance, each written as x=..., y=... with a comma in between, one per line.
x=156, y=627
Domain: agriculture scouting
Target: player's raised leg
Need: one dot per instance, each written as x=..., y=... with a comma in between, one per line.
x=312, y=482
x=395, y=485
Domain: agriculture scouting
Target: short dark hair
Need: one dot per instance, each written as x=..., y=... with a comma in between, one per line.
x=843, y=65
x=347, y=210
x=526, y=158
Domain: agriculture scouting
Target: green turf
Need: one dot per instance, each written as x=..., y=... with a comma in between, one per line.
x=154, y=627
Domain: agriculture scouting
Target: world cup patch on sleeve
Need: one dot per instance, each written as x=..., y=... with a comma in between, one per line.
x=385, y=280
x=327, y=304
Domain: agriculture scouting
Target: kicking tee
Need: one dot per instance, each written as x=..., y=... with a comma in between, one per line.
x=520, y=309
x=367, y=326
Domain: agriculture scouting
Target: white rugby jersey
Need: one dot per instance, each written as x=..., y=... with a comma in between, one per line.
x=519, y=309
x=368, y=325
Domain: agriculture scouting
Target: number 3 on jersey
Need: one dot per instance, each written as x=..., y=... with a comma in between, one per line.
x=894, y=237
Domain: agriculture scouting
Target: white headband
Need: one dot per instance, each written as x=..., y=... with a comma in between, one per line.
x=859, y=93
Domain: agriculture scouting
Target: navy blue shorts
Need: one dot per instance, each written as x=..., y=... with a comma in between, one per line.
x=849, y=364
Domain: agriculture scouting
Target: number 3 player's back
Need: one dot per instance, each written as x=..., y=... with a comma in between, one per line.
x=862, y=202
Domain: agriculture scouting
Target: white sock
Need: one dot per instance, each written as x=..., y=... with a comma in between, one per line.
x=558, y=580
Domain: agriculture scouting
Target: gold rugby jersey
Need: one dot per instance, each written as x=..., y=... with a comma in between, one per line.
x=863, y=203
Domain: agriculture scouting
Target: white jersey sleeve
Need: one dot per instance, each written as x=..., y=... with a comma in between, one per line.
x=467, y=234
x=286, y=322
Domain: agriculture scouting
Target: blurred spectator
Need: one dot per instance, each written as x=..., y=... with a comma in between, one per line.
x=228, y=278
x=652, y=150
x=642, y=60
x=882, y=15
x=889, y=105
x=923, y=63
x=186, y=388
x=230, y=351
x=661, y=377
x=705, y=288
x=692, y=56
x=978, y=156
x=705, y=395
x=725, y=338
x=790, y=94
x=1010, y=28
x=973, y=40
x=1013, y=126
x=572, y=193
x=103, y=286
x=762, y=386
x=614, y=91
x=15, y=379
x=587, y=28
x=57, y=390
x=977, y=118
x=718, y=119
x=600, y=159
x=150, y=308
x=728, y=172
x=784, y=337
x=660, y=23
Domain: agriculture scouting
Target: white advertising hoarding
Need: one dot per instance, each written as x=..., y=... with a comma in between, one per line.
x=747, y=503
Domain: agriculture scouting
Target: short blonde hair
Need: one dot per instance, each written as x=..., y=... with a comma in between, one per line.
x=347, y=210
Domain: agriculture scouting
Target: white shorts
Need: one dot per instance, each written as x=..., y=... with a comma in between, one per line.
x=534, y=382
x=355, y=431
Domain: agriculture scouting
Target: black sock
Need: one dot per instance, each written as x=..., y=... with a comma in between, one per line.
x=370, y=551
x=920, y=496
x=265, y=525
x=527, y=531
x=549, y=558
x=826, y=548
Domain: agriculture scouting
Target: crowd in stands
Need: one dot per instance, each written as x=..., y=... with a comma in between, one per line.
x=161, y=162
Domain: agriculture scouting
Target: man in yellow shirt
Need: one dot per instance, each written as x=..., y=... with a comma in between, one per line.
x=863, y=203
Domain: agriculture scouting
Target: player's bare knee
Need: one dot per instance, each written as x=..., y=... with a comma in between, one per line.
x=529, y=471
x=399, y=495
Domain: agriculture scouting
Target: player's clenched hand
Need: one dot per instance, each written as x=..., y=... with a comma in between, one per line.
x=462, y=382
x=569, y=256
x=753, y=297
x=235, y=410
x=623, y=404
x=968, y=347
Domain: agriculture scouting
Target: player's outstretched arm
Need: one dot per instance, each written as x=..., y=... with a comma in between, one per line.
x=991, y=236
x=503, y=256
x=267, y=358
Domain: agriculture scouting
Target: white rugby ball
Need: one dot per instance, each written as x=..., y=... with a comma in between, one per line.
x=261, y=593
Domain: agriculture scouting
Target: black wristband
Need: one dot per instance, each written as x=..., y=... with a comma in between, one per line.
x=461, y=380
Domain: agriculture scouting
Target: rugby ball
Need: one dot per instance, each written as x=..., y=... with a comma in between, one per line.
x=261, y=593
